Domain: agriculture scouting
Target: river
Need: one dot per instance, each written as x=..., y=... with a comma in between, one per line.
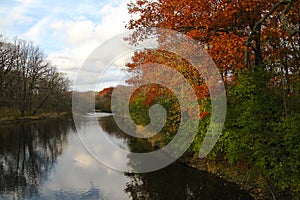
x=46, y=160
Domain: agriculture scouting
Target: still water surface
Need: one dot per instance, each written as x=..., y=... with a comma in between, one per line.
x=46, y=160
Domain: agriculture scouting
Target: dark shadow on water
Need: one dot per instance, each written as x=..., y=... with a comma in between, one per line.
x=180, y=182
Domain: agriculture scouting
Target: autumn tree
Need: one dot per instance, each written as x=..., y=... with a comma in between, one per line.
x=103, y=99
x=227, y=29
x=255, y=45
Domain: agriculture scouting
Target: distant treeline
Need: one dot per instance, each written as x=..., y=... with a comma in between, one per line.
x=103, y=100
x=28, y=82
x=90, y=101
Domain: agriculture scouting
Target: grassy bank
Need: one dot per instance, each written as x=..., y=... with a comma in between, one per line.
x=28, y=118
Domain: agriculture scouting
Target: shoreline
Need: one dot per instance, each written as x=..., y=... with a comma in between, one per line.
x=238, y=175
x=30, y=118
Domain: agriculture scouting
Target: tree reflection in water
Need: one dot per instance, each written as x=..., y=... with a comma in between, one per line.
x=28, y=152
x=180, y=182
x=173, y=182
x=139, y=145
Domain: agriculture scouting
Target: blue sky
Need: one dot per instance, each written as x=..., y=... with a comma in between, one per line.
x=68, y=31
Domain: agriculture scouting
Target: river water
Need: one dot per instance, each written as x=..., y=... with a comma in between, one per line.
x=46, y=160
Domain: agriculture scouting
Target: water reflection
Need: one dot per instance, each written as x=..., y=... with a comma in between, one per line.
x=179, y=182
x=28, y=152
x=109, y=126
x=46, y=160
x=173, y=182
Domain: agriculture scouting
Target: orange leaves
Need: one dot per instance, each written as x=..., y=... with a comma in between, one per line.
x=201, y=91
x=227, y=51
x=106, y=91
x=223, y=28
x=148, y=63
x=203, y=114
x=140, y=3
x=201, y=19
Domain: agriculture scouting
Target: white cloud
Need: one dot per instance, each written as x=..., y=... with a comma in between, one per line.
x=84, y=160
x=13, y=15
x=36, y=31
x=68, y=30
x=78, y=32
x=83, y=36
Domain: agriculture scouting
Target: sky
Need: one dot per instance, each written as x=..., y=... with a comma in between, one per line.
x=67, y=30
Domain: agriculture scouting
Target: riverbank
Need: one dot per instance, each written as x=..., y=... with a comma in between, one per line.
x=29, y=118
x=236, y=173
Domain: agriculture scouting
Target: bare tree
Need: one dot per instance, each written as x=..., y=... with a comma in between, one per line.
x=27, y=79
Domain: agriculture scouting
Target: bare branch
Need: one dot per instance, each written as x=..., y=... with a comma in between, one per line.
x=261, y=21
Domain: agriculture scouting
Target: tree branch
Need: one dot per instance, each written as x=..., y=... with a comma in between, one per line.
x=259, y=23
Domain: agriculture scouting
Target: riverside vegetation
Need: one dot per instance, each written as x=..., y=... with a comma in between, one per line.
x=255, y=45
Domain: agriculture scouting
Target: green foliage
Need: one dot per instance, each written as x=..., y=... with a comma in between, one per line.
x=141, y=102
x=284, y=159
x=202, y=129
x=260, y=133
x=103, y=103
x=139, y=111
